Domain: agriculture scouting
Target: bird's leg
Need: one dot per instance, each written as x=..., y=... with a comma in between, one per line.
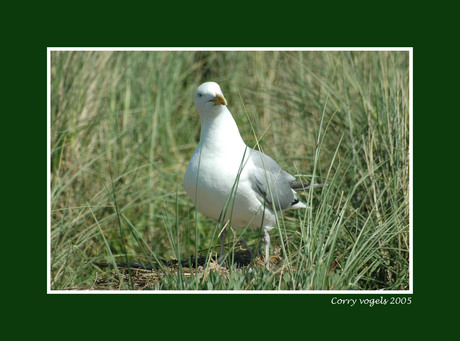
x=223, y=235
x=266, y=240
x=247, y=247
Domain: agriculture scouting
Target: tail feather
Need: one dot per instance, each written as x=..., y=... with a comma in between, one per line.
x=302, y=186
x=297, y=204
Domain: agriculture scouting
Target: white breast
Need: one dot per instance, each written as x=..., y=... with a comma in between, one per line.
x=216, y=178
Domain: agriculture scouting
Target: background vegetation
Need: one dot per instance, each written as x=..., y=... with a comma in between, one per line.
x=123, y=127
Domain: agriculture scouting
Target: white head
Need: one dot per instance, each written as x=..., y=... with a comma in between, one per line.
x=208, y=97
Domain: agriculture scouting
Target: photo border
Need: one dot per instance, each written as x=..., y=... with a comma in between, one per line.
x=410, y=291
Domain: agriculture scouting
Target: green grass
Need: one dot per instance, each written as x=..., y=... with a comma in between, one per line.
x=124, y=126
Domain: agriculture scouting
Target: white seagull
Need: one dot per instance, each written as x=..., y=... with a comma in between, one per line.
x=228, y=181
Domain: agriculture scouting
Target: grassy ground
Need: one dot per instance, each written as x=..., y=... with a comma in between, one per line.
x=123, y=127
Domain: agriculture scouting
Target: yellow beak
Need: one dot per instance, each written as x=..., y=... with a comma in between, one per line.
x=219, y=99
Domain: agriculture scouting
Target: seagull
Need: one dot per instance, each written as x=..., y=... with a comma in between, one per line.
x=231, y=182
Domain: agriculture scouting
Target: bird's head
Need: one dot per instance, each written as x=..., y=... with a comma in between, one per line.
x=209, y=97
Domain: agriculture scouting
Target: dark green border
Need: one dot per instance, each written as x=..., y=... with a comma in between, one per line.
x=33, y=312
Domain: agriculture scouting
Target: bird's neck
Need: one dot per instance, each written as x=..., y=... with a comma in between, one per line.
x=219, y=130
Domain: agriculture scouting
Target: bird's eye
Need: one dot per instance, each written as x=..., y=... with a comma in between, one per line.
x=200, y=95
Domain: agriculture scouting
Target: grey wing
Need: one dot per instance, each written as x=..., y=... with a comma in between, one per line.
x=271, y=182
